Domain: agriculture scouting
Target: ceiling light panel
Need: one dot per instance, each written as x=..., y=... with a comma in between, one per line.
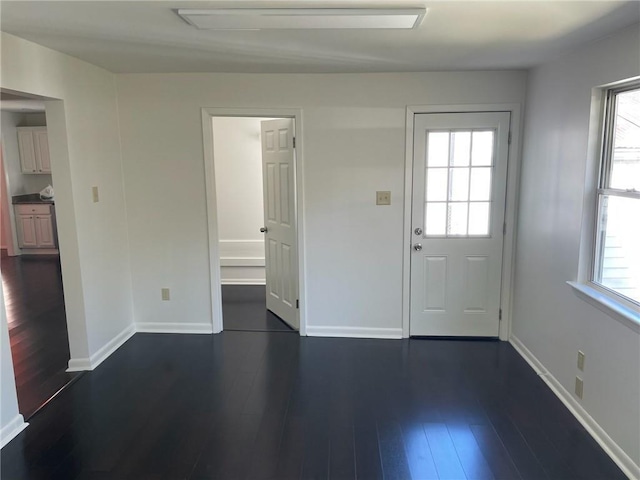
x=303, y=18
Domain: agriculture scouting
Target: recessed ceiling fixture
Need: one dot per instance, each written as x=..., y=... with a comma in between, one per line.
x=303, y=18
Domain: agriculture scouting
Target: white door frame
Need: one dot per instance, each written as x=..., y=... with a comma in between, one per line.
x=8, y=216
x=212, y=214
x=510, y=215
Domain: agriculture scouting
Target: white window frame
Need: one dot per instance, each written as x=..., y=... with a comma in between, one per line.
x=609, y=301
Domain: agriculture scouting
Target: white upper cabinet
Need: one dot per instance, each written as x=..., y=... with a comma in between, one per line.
x=34, y=150
x=27, y=151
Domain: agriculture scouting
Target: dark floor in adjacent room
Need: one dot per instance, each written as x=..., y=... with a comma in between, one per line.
x=267, y=405
x=34, y=302
x=244, y=308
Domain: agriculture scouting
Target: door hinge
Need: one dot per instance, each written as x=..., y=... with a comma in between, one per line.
x=500, y=314
x=509, y=140
x=297, y=303
x=504, y=228
x=294, y=142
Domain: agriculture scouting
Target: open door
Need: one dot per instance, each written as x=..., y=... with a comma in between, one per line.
x=281, y=255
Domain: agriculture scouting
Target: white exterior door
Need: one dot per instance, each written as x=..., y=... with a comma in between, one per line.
x=459, y=188
x=281, y=257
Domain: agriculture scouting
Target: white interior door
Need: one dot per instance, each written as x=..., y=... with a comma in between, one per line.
x=459, y=187
x=281, y=256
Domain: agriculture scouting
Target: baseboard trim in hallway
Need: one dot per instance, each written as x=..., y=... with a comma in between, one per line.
x=83, y=364
x=617, y=454
x=12, y=429
x=354, y=332
x=161, y=327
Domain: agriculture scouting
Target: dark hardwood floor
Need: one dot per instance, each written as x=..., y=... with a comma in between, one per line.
x=34, y=301
x=265, y=405
x=244, y=307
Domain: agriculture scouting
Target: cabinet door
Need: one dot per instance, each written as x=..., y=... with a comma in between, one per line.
x=27, y=152
x=44, y=231
x=41, y=142
x=27, y=237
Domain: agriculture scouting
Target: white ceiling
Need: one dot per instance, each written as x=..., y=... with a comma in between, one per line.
x=147, y=36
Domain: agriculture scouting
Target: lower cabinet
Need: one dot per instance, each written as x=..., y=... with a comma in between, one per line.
x=35, y=226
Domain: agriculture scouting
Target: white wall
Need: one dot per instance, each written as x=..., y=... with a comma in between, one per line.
x=18, y=183
x=354, y=144
x=238, y=172
x=11, y=422
x=85, y=151
x=551, y=321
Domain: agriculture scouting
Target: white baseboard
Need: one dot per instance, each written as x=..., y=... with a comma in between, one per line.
x=626, y=464
x=40, y=251
x=161, y=327
x=83, y=364
x=12, y=429
x=354, y=332
x=243, y=275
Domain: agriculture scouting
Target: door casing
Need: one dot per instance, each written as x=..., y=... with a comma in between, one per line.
x=513, y=173
x=212, y=221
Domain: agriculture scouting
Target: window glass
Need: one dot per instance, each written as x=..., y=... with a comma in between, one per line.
x=458, y=183
x=625, y=164
x=616, y=263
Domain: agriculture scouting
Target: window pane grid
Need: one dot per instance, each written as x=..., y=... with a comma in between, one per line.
x=458, y=183
x=616, y=259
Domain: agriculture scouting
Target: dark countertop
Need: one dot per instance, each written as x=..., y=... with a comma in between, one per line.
x=30, y=198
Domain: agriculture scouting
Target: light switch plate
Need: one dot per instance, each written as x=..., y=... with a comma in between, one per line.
x=383, y=198
x=165, y=294
x=94, y=192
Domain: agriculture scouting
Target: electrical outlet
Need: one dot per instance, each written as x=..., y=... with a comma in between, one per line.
x=165, y=294
x=96, y=197
x=579, y=387
x=580, y=360
x=383, y=198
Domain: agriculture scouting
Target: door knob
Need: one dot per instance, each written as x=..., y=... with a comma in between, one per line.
x=417, y=247
x=264, y=229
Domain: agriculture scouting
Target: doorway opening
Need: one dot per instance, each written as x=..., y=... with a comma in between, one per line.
x=30, y=262
x=252, y=203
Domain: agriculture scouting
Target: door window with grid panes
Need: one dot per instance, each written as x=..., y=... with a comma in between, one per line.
x=458, y=183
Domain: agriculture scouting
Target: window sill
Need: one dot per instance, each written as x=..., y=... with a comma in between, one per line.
x=608, y=305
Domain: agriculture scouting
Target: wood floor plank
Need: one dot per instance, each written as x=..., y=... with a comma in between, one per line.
x=443, y=451
x=251, y=405
x=469, y=453
x=495, y=452
x=34, y=303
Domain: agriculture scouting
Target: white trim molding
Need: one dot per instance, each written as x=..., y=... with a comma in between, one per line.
x=160, y=327
x=510, y=214
x=607, y=304
x=243, y=281
x=242, y=261
x=84, y=364
x=626, y=464
x=354, y=332
x=12, y=429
